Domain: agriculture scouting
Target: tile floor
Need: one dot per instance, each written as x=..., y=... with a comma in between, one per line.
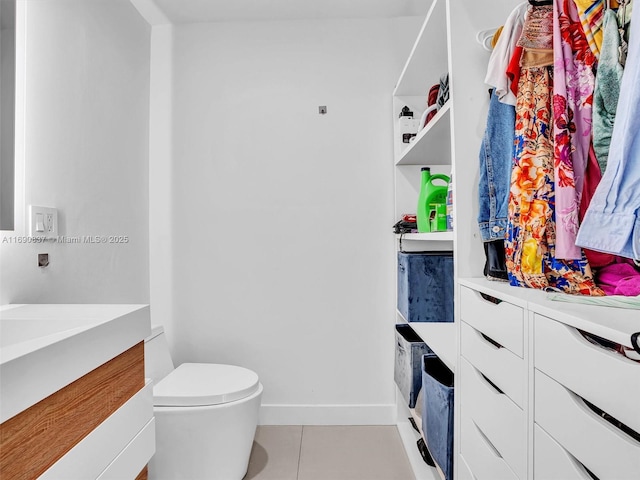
x=328, y=453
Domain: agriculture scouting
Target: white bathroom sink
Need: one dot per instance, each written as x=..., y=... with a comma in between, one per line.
x=45, y=347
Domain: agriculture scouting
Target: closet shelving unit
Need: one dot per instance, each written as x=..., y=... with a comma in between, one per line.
x=512, y=437
x=449, y=144
x=427, y=62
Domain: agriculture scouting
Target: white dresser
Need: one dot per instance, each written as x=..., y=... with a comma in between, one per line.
x=544, y=393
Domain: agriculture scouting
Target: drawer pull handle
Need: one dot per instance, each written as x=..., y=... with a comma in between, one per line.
x=613, y=421
x=493, y=385
x=580, y=466
x=613, y=347
x=588, y=407
x=489, y=382
x=490, y=299
x=491, y=341
x=599, y=341
x=591, y=474
x=486, y=440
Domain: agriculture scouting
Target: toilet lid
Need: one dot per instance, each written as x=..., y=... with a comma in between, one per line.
x=199, y=384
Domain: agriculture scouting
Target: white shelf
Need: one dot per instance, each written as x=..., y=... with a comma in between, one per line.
x=409, y=438
x=428, y=59
x=432, y=145
x=441, y=338
x=427, y=237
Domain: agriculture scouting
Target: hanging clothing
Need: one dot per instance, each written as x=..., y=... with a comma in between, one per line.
x=591, y=14
x=607, y=90
x=624, y=22
x=496, y=36
x=496, y=156
x=573, y=86
x=612, y=222
x=501, y=55
x=530, y=241
x=513, y=70
x=591, y=180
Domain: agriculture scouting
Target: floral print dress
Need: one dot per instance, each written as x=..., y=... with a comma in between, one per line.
x=531, y=237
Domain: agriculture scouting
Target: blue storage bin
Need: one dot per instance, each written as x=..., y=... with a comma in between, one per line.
x=425, y=286
x=437, y=412
x=407, y=371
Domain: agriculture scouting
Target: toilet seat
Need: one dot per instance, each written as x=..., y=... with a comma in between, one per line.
x=200, y=384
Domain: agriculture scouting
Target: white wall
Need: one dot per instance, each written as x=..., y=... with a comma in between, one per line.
x=282, y=247
x=85, y=151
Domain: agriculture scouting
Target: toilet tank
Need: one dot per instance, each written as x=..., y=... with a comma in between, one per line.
x=157, y=359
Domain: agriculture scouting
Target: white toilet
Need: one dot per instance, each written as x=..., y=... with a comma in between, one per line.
x=206, y=416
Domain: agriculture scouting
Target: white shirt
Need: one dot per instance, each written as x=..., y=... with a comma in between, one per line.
x=502, y=53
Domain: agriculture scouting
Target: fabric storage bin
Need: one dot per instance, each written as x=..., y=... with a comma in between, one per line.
x=407, y=371
x=437, y=412
x=425, y=286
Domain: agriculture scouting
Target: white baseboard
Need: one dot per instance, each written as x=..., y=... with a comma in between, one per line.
x=328, y=414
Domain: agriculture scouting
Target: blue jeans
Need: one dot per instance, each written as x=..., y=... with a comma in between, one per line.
x=496, y=159
x=612, y=221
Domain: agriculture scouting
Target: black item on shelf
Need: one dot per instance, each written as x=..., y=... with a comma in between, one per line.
x=495, y=267
x=424, y=452
x=405, y=227
x=413, y=424
x=406, y=112
x=437, y=412
x=443, y=91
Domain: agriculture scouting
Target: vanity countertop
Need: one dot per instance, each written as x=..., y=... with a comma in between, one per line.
x=44, y=347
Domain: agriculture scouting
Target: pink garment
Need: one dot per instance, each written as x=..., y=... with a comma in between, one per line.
x=573, y=87
x=620, y=279
x=591, y=180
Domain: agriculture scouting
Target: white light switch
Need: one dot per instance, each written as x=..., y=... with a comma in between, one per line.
x=43, y=222
x=39, y=222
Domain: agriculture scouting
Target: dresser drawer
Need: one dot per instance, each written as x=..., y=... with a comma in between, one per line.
x=501, y=420
x=464, y=472
x=603, y=377
x=504, y=322
x=552, y=462
x=482, y=458
x=502, y=366
x=598, y=445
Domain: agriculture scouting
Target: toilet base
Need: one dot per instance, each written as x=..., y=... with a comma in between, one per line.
x=211, y=442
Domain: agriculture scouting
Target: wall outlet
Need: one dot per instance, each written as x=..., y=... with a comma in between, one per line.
x=43, y=260
x=43, y=222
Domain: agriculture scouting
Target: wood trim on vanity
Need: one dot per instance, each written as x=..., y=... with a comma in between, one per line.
x=36, y=438
x=144, y=474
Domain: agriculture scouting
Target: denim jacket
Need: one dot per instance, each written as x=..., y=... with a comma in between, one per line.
x=496, y=159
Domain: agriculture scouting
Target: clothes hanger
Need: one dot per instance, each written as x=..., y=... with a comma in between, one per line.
x=484, y=37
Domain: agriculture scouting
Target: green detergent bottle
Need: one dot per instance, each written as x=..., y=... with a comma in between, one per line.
x=430, y=195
